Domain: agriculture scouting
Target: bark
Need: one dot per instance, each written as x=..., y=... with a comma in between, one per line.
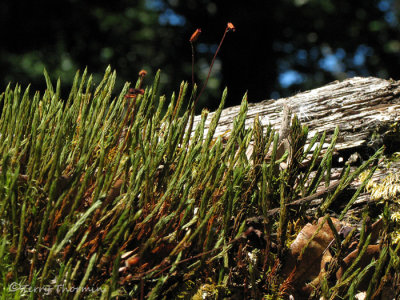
x=359, y=106
x=364, y=109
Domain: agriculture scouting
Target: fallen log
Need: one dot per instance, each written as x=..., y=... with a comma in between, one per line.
x=363, y=108
x=366, y=110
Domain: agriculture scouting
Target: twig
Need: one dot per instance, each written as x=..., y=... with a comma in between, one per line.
x=307, y=199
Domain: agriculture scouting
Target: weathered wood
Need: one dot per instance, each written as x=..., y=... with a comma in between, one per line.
x=359, y=106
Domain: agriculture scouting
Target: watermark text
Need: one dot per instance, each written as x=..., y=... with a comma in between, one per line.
x=50, y=289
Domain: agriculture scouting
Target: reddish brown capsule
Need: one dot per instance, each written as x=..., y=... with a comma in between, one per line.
x=195, y=35
x=134, y=92
x=230, y=26
x=142, y=73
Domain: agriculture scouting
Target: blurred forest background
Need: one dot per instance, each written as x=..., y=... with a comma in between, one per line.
x=278, y=48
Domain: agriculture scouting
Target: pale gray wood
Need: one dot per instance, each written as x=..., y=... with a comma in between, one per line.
x=357, y=105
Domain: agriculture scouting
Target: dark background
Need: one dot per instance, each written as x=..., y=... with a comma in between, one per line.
x=278, y=48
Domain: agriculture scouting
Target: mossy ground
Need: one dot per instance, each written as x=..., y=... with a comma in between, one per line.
x=117, y=197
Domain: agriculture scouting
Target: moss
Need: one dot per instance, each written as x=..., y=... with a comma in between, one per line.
x=118, y=190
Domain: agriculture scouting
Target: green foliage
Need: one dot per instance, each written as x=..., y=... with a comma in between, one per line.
x=101, y=192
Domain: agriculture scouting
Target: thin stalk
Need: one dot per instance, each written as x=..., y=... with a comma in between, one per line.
x=228, y=28
x=191, y=45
